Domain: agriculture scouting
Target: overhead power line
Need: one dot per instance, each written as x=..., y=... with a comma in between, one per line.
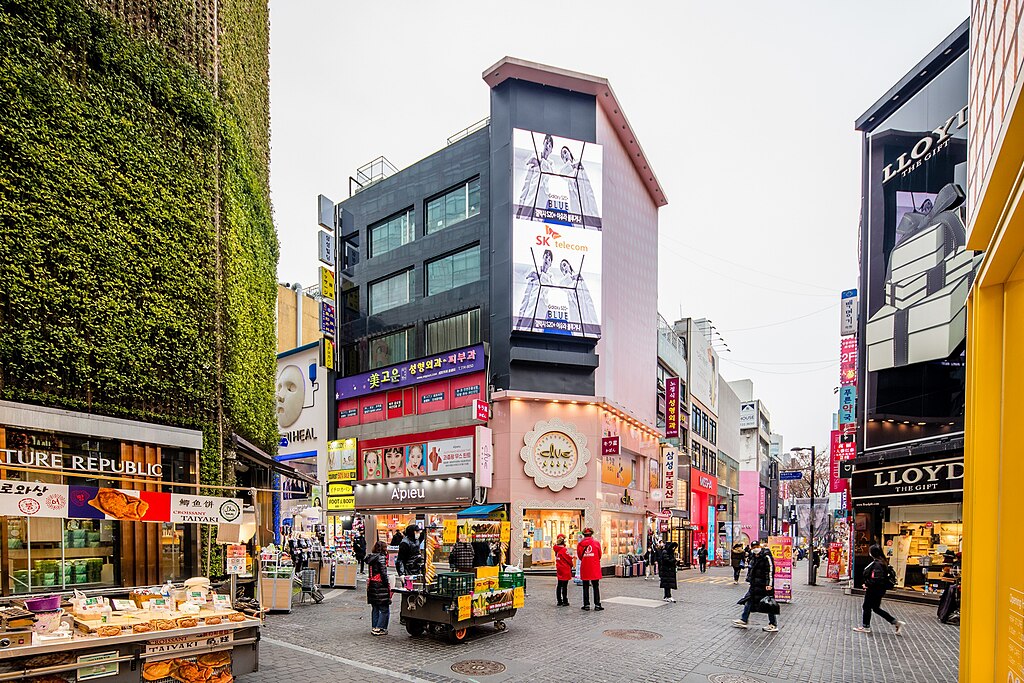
x=788, y=320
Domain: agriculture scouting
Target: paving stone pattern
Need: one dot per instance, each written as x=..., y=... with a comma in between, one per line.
x=815, y=644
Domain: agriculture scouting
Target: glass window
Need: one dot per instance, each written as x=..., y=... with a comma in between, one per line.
x=389, y=293
x=388, y=349
x=391, y=233
x=453, y=271
x=453, y=332
x=453, y=206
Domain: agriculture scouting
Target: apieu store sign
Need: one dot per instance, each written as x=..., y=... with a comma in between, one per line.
x=444, y=491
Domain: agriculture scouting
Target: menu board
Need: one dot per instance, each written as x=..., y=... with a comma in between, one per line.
x=781, y=548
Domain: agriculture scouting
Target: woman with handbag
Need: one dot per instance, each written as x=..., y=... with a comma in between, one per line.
x=378, y=589
x=760, y=597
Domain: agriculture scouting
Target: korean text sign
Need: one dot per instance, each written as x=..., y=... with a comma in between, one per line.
x=410, y=373
x=781, y=548
x=672, y=407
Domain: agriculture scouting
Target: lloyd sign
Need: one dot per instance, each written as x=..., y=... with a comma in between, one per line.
x=923, y=150
x=917, y=479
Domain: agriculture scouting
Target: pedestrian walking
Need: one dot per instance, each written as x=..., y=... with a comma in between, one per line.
x=879, y=577
x=760, y=575
x=589, y=553
x=460, y=559
x=667, y=570
x=736, y=558
x=359, y=550
x=702, y=557
x=378, y=589
x=651, y=559
x=563, y=571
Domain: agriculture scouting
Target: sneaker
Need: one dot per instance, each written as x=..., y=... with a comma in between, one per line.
x=586, y=607
x=739, y=623
x=671, y=599
x=899, y=626
x=862, y=629
x=598, y=608
x=770, y=628
x=375, y=631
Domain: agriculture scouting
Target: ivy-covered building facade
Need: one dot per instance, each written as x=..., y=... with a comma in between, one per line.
x=138, y=285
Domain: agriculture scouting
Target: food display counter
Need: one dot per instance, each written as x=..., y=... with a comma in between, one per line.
x=212, y=646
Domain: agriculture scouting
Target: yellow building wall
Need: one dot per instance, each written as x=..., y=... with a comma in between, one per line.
x=286, y=312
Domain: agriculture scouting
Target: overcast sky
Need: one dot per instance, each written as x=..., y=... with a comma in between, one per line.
x=745, y=110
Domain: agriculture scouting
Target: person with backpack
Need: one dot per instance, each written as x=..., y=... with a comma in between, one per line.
x=879, y=577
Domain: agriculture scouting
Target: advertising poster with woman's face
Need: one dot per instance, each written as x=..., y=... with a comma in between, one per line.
x=372, y=464
x=394, y=462
x=415, y=460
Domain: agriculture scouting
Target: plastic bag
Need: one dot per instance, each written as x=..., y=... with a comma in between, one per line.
x=576, y=575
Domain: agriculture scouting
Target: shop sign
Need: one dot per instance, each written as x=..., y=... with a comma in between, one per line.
x=326, y=248
x=326, y=283
x=341, y=460
x=848, y=314
x=450, y=456
x=923, y=150
x=410, y=494
x=669, y=458
x=761, y=500
x=61, y=501
x=748, y=415
x=481, y=410
x=848, y=361
x=843, y=448
x=328, y=320
x=410, y=373
x=703, y=482
x=188, y=643
x=484, y=457
x=723, y=507
x=917, y=479
x=847, y=404
x=555, y=454
x=672, y=407
x=610, y=445
x=78, y=463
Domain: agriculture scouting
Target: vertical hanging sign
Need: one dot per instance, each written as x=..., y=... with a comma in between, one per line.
x=672, y=407
x=848, y=314
x=326, y=283
x=669, y=457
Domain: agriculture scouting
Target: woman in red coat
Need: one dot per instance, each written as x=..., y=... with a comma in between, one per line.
x=563, y=571
x=589, y=552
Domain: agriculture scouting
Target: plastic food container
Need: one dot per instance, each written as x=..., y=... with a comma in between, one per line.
x=48, y=604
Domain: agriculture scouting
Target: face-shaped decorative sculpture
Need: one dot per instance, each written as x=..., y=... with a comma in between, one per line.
x=291, y=394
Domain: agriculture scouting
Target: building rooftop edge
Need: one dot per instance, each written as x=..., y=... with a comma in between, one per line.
x=555, y=77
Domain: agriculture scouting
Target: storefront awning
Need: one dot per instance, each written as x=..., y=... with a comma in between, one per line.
x=255, y=454
x=478, y=511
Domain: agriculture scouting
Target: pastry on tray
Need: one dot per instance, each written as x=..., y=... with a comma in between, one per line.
x=108, y=631
x=144, y=627
x=164, y=624
x=187, y=622
x=154, y=671
x=189, y=672
x=212, y=621
x=236, y=617
x=215, y=660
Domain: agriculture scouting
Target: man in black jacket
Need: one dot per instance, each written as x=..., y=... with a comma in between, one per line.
x=409, y=562
x=760, y=576
x=359, y=550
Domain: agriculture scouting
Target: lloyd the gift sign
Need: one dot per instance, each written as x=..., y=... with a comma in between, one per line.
x=916, y=479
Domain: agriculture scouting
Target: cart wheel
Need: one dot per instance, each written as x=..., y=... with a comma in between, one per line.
x=500, y=625
x=457, y=635
x=415, y=627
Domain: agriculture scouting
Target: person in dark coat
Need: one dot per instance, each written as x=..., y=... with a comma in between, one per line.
x=653, y=553
x=409, y=562
x=359, y=550
x=667, y=569
x=461, y=557
x=397, y=538
x=761, y=575
x=736, y=560
x=378, y=589
x=876, y=583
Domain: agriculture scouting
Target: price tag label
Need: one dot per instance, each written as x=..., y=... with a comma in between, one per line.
x=159, y=604
x=222, y=601
x=124, y=605
x=196, y=597
x=92, y=605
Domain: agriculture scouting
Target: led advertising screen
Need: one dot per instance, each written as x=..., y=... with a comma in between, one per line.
x=556, y=235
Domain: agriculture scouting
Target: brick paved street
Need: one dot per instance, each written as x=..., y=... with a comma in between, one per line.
x=331, y=641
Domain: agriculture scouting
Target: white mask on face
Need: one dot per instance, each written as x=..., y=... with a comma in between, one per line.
x=757, y=551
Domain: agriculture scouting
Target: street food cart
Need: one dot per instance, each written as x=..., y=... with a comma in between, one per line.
x=451, y=603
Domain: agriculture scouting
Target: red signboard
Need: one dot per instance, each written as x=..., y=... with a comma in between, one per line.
x=843, y=447
x=481, y=410
x=431, y=397
x=672, y=407
x=702, y=482
x=610, y=445
x=848, y=361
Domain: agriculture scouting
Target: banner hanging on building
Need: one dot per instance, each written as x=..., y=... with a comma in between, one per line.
x=672, y=407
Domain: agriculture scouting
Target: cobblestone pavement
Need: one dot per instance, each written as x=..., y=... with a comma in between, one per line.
x=815, y=644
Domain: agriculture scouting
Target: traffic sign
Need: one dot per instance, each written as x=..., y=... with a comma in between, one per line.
x=791, y=475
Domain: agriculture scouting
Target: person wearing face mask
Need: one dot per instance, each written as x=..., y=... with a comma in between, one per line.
x=760, y=576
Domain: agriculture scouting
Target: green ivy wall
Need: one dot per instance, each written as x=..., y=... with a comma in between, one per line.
x=138, y=254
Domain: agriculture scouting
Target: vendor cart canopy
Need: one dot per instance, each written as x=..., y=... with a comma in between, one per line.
x=478, y=511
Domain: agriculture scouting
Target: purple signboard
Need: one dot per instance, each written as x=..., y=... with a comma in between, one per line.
x=410, y=373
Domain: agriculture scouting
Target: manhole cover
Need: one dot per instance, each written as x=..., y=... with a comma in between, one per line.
x=733, y=678
x=632, y=634
x=478, y=667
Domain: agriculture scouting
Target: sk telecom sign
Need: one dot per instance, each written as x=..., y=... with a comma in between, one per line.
x=672, y=407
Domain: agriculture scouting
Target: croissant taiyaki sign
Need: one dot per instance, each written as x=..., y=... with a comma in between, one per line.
x=36, y=499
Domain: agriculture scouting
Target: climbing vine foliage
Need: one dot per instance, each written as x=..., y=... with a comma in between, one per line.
x=137, y=249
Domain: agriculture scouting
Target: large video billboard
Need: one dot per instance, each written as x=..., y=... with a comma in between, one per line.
x=556, y=235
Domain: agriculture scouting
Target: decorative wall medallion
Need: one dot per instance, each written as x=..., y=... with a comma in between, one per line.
x=555, y=454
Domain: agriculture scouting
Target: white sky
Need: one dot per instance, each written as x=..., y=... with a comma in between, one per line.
x=745, y=110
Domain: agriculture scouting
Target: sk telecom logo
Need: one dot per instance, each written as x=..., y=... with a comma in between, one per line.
x=548, y=235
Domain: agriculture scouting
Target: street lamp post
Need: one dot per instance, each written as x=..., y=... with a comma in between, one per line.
x=812, y=573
